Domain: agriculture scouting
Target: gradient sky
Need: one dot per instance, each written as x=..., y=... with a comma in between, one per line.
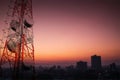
x=66, y=31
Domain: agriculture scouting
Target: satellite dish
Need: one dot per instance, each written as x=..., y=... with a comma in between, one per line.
x=12, y=45
x=19, y=2
x=14, y=25
x=28, y=24
x=29, y=40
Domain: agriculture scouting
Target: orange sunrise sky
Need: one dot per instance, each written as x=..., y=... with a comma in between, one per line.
x=66, y=31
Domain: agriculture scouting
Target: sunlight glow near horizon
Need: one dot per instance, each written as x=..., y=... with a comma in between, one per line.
x=69, y=32
x=63, y=35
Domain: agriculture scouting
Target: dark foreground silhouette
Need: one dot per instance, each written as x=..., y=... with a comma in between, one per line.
x=68, y=73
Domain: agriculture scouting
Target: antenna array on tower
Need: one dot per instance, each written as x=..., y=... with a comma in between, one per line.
x=18, y=51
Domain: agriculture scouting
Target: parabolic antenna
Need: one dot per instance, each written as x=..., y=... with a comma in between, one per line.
x=28, y=23
x=19, y=2
x=13, y=40
x=12, y=46
x=14, y=25
x=30, y=40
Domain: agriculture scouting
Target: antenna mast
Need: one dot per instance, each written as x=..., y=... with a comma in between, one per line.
x=18, y=52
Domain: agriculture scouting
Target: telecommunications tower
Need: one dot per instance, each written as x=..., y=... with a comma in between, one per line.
x=18, y=50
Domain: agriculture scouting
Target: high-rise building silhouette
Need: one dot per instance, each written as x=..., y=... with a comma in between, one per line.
x=96, y=62
x=81, y=65
x=113, y=67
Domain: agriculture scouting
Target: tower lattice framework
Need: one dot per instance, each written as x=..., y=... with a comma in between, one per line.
x=18, y=50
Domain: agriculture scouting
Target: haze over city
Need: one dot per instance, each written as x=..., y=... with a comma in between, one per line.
x=66, y=31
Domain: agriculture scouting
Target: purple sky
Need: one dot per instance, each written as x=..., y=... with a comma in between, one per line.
x=73, y=30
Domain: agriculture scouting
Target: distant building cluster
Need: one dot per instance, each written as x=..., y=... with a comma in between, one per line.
x=95, y=63
x=81, y=71
x=81, y=65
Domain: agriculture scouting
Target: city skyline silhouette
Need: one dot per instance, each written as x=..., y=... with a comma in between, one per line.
x=59, y=40
x=70, y=31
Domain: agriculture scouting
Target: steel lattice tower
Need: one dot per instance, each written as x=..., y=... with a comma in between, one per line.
x=18, y=51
